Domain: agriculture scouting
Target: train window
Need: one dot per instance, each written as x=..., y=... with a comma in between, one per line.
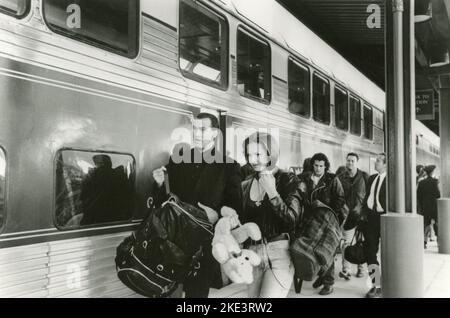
x=15, y=8
x=93, y=188
x=341, y=108
x=203, y=44
x=298, y=78
x=2, y=188
x=368, y=122
x=321, y=99
x=112, y=25
x=355, y=116
x=253, y=66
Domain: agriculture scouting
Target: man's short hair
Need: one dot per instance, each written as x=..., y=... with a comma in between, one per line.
x=384, y=156
x=211, y=117
x=354, y=154
x=321, y=157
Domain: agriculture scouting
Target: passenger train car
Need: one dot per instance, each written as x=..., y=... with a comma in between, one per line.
x=94, y=94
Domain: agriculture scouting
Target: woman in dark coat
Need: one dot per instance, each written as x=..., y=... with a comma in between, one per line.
x=272, y=201
x=427, y=195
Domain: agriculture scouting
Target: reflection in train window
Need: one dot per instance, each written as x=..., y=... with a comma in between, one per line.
x=368, y=122
x=203, y=44
x=341, y=108
x=109, y=24
x=93, y=188
x=298, y=78
x=2, y=187
x=355, y=116
x=15, y=8
x=321, y=99
x=253, y=66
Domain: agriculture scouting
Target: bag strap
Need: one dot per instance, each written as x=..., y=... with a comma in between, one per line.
x=204, y=225
x=166, y=182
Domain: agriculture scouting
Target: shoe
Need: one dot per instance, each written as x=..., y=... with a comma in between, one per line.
x=326, y=290
x=374, y=292
x=317, y=283
x=345, y=275
x=360, y=273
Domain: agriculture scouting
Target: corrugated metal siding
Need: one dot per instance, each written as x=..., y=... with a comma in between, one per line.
x=81, y=267
x=159, y=47
x=280, y=93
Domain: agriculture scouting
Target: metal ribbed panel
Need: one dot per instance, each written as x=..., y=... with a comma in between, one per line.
x=82, y=267
x=280, y=93
x=159, y=47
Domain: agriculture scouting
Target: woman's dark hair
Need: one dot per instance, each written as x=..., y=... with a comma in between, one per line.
x=429, y=169
x=307, y=165
x=321, y=157
x=269, y=142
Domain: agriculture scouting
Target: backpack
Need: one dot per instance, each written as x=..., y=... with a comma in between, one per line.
x=315, y=244
x=166, y=249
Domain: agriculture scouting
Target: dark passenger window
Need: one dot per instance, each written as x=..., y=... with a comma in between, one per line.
x=355, y=116
x=341, y=108
x=321, y=99
x=112, y=25
x=203, y=44
x=15, y=8
x=93, y=188
x=253, y=66
x=368, y=122
x=298, y=78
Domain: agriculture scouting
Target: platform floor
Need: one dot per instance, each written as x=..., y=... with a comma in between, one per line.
x=436, y=279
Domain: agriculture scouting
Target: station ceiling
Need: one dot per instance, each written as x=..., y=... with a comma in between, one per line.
x=343, y=25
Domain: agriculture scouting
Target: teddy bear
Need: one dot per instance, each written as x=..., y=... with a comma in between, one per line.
x=237, y=263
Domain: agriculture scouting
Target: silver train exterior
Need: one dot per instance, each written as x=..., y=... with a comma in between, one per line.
x=57, y=93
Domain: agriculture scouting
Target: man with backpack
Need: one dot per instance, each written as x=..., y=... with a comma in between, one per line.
x=207, y=179
x=353, y=181
x=324, y=189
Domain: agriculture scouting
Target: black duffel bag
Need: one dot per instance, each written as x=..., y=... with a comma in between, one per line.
x=165, y=250
x=354, y=253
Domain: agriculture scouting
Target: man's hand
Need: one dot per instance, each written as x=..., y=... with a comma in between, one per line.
x=213, y=216
x=158, y=175
x=267, y=182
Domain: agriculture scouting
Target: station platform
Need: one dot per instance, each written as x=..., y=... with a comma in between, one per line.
x=436, y=281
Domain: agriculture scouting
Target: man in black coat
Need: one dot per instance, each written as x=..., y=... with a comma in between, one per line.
x=375, y=204
x=204, y=177
x=427, y=195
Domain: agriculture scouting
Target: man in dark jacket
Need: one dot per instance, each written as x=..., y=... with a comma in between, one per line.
x=427, y=195
x=375, y=204
x=204, y=177
x=326, y=188
x=354, y=183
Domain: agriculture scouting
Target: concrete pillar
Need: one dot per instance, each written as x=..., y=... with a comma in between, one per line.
x=402, y=255
x=401, y=231
x=444, y=203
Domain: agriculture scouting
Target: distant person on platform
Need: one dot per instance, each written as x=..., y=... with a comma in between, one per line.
x=427, y=195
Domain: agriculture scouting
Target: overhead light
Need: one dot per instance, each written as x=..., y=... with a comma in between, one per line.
x=439, y=56
x=422, y=11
